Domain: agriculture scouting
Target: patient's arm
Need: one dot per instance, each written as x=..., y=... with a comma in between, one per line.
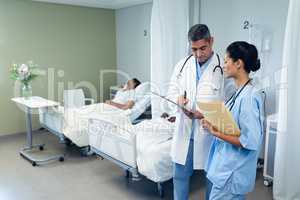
x=125, y=106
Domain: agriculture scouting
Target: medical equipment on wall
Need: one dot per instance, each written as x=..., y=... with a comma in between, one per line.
x=270, y=146
x=187, y=59
x=260, y=36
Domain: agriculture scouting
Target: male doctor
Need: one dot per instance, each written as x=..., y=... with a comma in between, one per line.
x=197, y=77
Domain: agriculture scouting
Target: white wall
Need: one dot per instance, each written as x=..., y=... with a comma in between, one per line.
x=133, y=47
x=225, y=19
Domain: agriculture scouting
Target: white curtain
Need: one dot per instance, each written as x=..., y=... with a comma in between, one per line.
x=287, y=160
x=169, y=43
x=195, y=7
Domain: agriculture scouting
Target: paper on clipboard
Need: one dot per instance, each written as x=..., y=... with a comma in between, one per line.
x=219, y=116
x=169, y=100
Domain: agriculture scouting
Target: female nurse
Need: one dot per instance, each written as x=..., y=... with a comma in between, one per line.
x=232, y=160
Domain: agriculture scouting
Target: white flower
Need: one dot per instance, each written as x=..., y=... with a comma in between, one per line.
x=23, y=70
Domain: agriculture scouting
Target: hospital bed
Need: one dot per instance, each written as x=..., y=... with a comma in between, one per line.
x=70, y=122
x=141, y=149
x=53, y=118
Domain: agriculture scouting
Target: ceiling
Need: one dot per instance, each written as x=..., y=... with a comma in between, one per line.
x=109, y=4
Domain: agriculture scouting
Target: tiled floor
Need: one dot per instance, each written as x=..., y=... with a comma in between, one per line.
x=81, y=177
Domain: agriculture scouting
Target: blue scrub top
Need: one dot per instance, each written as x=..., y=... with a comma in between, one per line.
x=199, y=71
x=232, y=165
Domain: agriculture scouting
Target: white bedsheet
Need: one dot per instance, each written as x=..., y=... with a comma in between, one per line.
x=76, y=121
x=154, y=139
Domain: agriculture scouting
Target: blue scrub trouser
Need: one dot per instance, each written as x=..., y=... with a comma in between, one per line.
x=215, y=193
x=182, y=174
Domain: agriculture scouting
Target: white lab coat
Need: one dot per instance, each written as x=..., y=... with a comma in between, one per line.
x=210, y=87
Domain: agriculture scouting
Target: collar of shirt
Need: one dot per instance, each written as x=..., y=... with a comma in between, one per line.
x=201, y=68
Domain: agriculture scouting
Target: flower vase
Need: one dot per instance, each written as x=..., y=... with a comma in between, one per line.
x=26, y=91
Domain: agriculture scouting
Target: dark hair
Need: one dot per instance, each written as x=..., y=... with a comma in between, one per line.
x=246, y=52
x=198, y=32
x=136, y=82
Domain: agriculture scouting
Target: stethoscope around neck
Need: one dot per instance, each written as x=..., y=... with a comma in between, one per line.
x=187, y=59
x=232, y=99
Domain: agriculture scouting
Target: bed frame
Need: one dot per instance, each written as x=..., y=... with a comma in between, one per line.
x=101, y=130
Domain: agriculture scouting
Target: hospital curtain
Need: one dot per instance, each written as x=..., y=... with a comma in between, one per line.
x=287, y=159
x=170, y=22
x=195, y=7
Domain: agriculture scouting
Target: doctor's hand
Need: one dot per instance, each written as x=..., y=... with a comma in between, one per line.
x=193, y=114
x=208, y=126
x=182, y=101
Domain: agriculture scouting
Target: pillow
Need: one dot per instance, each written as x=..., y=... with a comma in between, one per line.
x=142, y=90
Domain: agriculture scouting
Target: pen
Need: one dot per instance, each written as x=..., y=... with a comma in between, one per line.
x=184, y=95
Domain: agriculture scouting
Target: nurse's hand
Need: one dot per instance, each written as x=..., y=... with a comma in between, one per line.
x=207, y=125
x=215, y=132
x=182, y=101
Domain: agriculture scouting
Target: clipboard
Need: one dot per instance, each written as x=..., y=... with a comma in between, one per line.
x=219, y=116
x=169, y=100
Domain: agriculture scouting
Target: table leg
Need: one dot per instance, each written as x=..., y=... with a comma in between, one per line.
x=29, y=146
x=29, y=128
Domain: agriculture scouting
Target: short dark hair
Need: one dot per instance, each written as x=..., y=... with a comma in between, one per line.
x=136, y=82
x=246, y=52
x=198, y=32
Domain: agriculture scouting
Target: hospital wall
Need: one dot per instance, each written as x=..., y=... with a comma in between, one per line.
x=70, y=44
x=133, y=42
x=226, y=21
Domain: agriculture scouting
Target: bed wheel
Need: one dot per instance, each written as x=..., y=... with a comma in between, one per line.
x=160, y=190
x=135, y=177
x=98, y=156
x=127, y=174
x=61, y=159
x=84, y=151
x=67, y=142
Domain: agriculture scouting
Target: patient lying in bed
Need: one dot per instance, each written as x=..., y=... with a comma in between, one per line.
x=125, y=98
